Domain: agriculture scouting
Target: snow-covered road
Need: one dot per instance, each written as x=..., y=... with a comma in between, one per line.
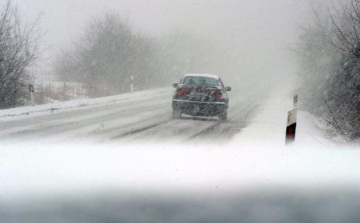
x=254, y=178
x=131, y=118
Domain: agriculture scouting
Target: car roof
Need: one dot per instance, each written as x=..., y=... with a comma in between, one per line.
x=203, y=75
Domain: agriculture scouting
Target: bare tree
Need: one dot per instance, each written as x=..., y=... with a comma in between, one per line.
x=330, y=63
x=109, y=53
x=18, y=50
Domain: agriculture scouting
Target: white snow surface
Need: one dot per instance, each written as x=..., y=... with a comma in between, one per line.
x=267, y=128
x=256, y=157
x=39, y=110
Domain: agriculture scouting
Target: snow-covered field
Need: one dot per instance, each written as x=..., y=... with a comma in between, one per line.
x=253, y=168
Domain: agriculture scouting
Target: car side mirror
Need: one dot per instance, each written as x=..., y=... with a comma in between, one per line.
x=228, y=89
x=175, y=85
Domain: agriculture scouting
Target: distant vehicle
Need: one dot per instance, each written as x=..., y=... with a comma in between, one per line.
x=200, y=95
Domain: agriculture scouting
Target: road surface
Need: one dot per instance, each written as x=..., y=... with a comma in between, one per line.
x=142, y=119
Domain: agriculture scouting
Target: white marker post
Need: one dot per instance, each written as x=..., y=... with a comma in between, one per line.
x=132, y=84
x=31, y=89
x=291, y=123
x=296, y=100
x=291, y=126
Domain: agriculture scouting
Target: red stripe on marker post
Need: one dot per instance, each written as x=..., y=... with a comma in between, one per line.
x=291, y=126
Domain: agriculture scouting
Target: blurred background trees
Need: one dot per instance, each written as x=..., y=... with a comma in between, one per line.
x=102, y=61
x=110, y=52
x=329, y=55
x=106, y=57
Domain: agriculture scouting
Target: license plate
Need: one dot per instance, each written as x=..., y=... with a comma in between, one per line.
x=198, y=93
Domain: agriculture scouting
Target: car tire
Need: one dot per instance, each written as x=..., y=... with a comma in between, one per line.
x=176, y=114
x=223, y=116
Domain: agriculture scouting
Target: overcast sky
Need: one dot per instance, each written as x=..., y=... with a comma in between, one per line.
x=258, y=28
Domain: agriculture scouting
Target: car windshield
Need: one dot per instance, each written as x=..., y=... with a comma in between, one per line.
x=200, y=81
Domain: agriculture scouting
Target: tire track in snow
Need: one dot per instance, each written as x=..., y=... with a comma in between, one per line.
x=78, y=112
x=86, y=124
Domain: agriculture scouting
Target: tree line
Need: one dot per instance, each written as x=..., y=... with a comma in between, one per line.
x=110, y=52
x=102, y=60
x=329, y=58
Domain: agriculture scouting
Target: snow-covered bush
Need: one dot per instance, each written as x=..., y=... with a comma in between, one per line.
x=18, y=50
x=329, y=55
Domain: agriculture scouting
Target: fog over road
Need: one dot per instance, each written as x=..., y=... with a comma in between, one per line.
x=136, y=120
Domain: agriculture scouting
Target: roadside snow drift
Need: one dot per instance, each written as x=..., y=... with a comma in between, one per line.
x=39, y=110
x=255, y=178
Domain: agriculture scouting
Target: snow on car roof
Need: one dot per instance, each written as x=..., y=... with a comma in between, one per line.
x=202, y=75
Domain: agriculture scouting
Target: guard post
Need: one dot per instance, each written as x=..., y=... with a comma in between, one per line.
x=31, y=90
x=291, y=123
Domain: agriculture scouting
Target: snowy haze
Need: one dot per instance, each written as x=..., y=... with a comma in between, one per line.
x=125, y=158
x=257, y=33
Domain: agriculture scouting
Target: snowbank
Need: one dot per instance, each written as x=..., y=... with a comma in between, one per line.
x=267, y=128
x=22, y=112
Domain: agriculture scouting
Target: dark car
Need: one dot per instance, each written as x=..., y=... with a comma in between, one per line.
x=200, y=95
